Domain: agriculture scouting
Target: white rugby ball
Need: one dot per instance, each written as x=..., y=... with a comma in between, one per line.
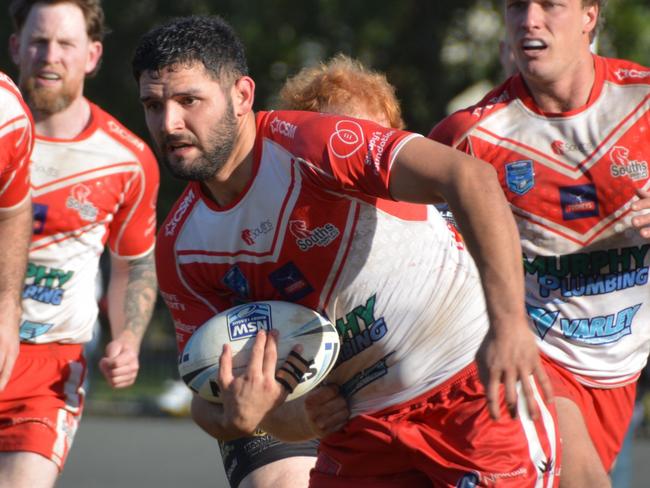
x=238, y=326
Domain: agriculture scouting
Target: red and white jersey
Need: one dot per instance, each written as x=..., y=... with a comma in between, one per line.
x=570, y=179
x=16, y=142
x=98, y=188
x=315, y=226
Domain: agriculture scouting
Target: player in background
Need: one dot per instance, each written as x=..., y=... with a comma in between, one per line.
x=568, y=137
x=93, y=183
x=16, y=143
x=301, y=207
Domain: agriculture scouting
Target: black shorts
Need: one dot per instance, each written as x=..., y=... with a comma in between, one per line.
x=243, y=456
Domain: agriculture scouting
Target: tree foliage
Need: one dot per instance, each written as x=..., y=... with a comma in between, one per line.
x=430, y=50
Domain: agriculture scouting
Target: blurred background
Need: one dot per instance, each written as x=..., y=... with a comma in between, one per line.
x=439, y=55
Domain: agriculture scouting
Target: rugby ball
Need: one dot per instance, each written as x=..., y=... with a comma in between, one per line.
x=199, y=362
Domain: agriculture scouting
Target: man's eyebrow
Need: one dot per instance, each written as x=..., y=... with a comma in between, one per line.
x=181, y=93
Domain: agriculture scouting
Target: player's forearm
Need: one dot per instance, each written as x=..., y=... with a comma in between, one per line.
x=15, y=236
x=424, y=171
x=132, y=296
x=490, y=233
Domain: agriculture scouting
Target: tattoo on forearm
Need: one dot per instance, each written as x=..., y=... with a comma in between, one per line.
x=140, y=294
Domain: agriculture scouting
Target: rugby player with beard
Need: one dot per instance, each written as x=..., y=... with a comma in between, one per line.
x=94, y=184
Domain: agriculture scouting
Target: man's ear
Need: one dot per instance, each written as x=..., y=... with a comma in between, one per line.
x=14, y=48
x=590, y=18
x=243, y=95
x=95, y=50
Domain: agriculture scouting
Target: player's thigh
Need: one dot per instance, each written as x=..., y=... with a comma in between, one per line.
x=581, y=465
x=290, y=472
x=26, y=470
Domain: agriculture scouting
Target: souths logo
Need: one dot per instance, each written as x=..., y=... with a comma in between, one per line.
x=78, y=200
x=306, y=238
x=284, y=128
x=170, y=228
x=347, y=139
x=250, y=236
x=561, y=148
x=623, y=74
x=622, y=166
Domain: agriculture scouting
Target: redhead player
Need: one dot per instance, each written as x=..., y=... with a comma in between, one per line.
x=16, y=143
x=568, y=137
x=94, y=183
x=303, y=207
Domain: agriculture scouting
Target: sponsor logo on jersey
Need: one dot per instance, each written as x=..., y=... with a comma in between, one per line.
x=376, y=148
x=290, y=282
x=493, y=102
x=40, y=217
x=347, y=139
x=30, y=330
x=470, y=480
x=622, y=166
x=170, y=227
x=600, y=330
x=365, y=377
x=542, y=318
x=623, y=73
x=172, y=301
x=185, y=328
x=588, y=274
x=520, y=176
x=359, y=330
x=78, y=200
x=306, y=238
x=282, y=127
x=247, y=320
x=124, y=134
x=578, y=202
x=250, y=236
x=44, y=284
x=546, y=466
x=561, y=148
x=236, y=282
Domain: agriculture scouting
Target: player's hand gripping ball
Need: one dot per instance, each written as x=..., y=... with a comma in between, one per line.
x=199, y=361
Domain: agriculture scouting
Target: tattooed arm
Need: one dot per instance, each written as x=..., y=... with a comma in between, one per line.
x=131, y=298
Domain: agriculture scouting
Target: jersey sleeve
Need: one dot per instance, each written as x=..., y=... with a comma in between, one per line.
x=451, y=131
x=16, y=144
x=133, y=230
x=338, y=153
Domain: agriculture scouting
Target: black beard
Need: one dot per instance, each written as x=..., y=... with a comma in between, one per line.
x=206, y=166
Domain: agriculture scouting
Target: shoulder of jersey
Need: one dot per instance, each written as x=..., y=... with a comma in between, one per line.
x=178, y=214
x=282, y=125
x=11, y=100
x=119, y=132
x=460, y=122
x=624, y=72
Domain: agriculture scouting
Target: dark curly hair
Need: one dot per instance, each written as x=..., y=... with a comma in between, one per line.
x=184, y=41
